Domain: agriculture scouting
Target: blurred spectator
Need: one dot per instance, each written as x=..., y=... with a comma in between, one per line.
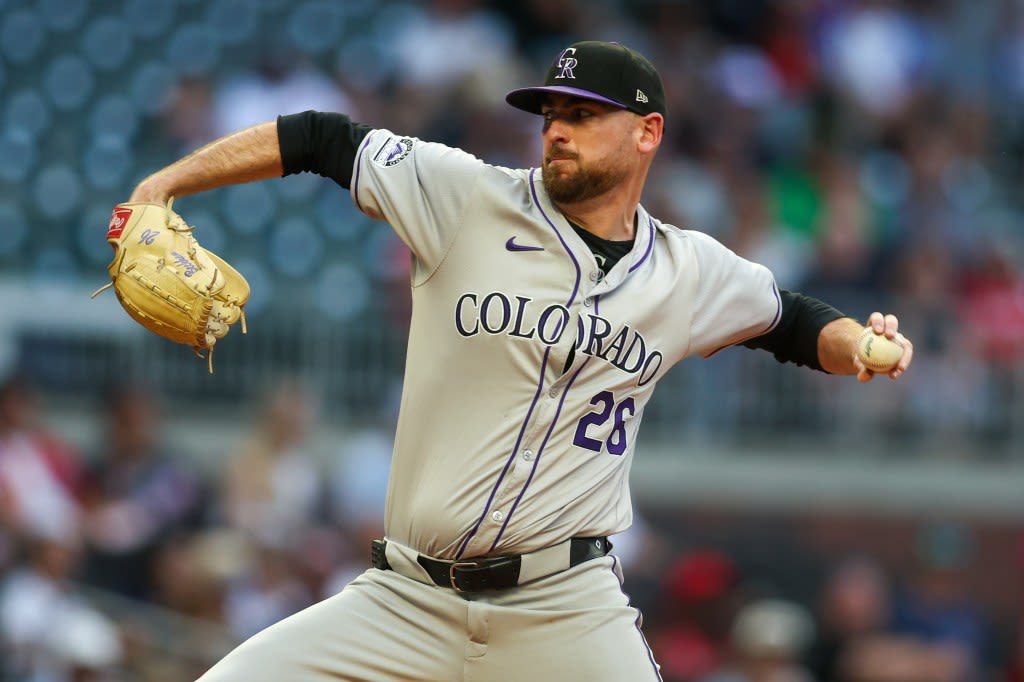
x=935, y=609
x=38, y=472
x=282, y=83
x=757, y=236
x=854, y=605
x=186, y=632
x=188, y=120
x=991, y=311
x=878, y=51
x=929, y=632
x=767, y=642
x=358, y=491
x=275, y=496
x=273, y=481
x=270, y=591
x=359, y=481
x=691, y=629
x=789, y=44
x=138, y=492
x=189, y=572
x=48, y=631
x=540, y=26
x=451, y=41
x=845, y=244
x=642, y=549
x=447, y=50
x=992, y=304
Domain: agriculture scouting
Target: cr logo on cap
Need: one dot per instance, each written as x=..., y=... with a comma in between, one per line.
x=567, y=63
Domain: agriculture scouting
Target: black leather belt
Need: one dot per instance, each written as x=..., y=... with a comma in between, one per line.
x=488, y=573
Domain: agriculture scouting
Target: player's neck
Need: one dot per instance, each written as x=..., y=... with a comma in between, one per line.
x=613, y=231
x=610, y=216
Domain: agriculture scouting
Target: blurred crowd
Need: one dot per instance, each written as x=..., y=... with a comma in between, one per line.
x=94, y=537
x=868, y=151
x=131, y=559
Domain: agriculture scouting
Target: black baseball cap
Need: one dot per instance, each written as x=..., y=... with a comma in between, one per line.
x=605, y=72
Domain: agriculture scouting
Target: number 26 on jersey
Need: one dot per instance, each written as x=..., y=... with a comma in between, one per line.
x=591, y=424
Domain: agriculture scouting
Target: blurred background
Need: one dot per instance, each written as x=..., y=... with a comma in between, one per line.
x=790, y=525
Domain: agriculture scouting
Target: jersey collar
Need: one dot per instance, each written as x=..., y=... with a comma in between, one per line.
x=643, y=243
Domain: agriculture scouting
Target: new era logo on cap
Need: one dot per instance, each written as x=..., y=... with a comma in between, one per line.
x=605, y=72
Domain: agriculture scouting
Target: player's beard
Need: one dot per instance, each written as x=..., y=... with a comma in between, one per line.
x=582, y=183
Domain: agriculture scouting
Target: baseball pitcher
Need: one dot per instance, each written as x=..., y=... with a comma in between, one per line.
x=547, y=305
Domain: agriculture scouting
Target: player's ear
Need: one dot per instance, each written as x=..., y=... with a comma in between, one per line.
x=649, y=131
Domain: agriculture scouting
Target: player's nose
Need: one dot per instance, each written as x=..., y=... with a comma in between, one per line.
x=556, y=130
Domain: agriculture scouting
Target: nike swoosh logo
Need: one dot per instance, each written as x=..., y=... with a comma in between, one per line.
x=512, y=246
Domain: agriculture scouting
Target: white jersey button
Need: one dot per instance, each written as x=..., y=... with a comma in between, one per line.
x=594, y=277
x=553, y=393
x=528, y=455
x=498, y=516
x=588, y=301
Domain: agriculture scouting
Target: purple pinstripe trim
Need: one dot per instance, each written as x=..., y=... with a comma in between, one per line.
x=650, y=245
x=636, y=624
x=778, y=309
x=511, y=458
x=540, y=385
x=650, y=653
x=540, y=451
x=576, y=263
x=572, y=297
x=359, y=168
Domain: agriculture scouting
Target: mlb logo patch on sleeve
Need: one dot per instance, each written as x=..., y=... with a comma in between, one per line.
x=393, y=151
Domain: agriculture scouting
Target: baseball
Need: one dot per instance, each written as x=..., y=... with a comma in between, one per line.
x=878, y=352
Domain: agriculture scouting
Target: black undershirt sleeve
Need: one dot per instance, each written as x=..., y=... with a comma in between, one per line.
x=795, y=338
x=324, y=143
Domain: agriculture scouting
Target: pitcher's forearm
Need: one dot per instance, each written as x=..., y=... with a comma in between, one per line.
x=837, y=345
x=246, y=156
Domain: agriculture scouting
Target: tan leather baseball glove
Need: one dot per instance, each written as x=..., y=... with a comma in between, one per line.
x=167, y=282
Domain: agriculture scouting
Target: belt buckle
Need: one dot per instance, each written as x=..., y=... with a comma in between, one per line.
x=454, y=566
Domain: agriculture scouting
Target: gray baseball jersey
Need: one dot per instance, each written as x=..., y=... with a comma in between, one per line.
x=528, y=372
x=498, y=450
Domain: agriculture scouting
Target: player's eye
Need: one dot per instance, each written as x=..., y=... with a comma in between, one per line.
x=569, y=115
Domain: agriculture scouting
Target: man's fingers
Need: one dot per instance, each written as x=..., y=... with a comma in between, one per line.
x=891, y=325
x=877, y=322
x=907, y=357
x=864, y=374
x=884, y=324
